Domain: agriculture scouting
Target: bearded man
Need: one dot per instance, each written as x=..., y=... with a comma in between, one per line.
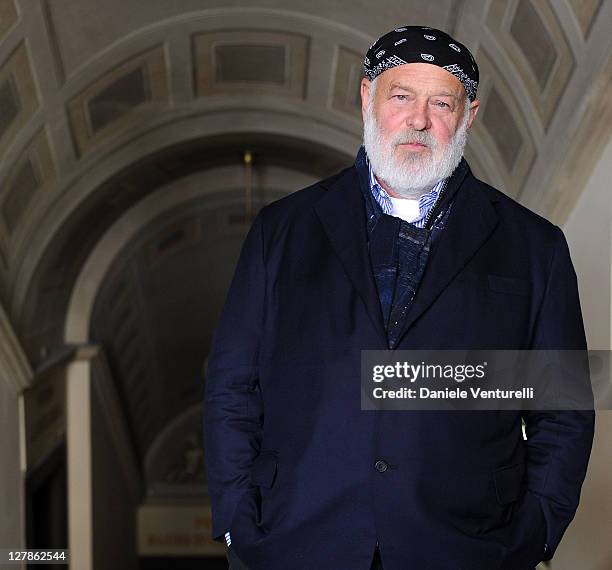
x=405, y=249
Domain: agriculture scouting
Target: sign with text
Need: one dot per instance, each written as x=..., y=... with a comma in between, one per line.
x=176, y=530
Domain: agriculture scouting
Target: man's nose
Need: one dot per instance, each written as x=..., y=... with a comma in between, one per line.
x=418, y=118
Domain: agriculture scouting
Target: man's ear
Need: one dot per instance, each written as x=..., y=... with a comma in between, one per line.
x=473, y=112
x=365, y=96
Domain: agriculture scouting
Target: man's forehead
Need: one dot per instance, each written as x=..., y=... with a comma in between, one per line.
x=422, y=76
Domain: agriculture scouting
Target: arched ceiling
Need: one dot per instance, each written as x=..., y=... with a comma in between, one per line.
x=104, y=104
x=64, y=257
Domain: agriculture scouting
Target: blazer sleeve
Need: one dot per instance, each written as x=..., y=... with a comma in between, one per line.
x=559, y=442
x=233, y=410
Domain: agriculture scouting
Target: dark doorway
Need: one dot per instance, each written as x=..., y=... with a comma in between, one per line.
x=47, y=504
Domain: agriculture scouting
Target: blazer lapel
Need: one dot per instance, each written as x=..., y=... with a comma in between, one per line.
x=342, y=214
x=472, y=220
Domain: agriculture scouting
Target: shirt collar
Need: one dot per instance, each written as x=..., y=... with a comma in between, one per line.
x=426, y=201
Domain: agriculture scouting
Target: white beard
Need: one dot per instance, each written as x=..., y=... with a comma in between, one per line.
x=413, y=173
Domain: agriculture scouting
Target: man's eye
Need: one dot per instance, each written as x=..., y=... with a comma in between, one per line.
x=400, y=97
x=441, y=104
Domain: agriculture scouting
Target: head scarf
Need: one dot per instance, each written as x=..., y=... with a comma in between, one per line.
x=417, y=44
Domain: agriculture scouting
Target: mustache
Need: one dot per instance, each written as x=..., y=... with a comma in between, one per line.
x=420, y=137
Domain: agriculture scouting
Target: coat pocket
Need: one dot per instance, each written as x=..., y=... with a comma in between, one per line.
x=263, y=472
x=510, y=285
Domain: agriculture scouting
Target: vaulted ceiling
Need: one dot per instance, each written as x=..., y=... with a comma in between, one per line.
x=104, y=106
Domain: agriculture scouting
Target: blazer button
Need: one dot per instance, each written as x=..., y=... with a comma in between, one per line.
x=381, y=466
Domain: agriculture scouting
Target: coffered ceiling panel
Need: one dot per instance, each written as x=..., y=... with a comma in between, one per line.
x=532, y=36
x=18, y=95
x=34, y=172
x=250, y=61
x=120, y=99
x=346, y=81
x=501, y=125
x=504, y=126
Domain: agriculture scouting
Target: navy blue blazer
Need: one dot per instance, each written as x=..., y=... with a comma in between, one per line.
x=307, y=480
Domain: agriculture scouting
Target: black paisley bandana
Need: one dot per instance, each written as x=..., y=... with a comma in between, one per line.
x=417, y=44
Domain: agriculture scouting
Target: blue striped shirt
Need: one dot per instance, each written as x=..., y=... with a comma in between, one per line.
x=426, y=201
